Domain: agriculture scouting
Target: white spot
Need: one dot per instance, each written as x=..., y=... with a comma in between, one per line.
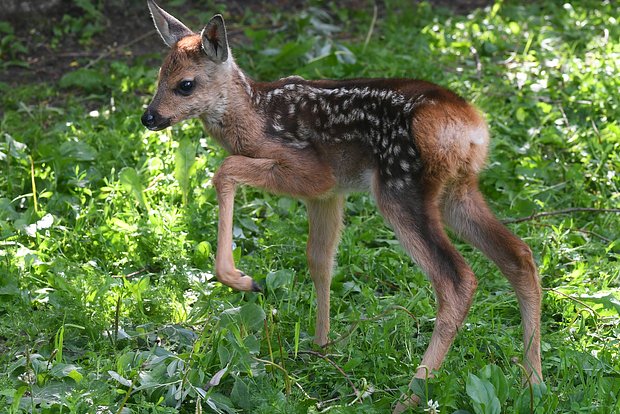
x=325, y=104
x=303, y=130
x=479, y=135
x=298, y=144
x=404, y=165
x=338, y=119
x=358, y=114
x=372, y=119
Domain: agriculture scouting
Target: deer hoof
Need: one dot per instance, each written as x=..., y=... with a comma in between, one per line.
x=256, y=287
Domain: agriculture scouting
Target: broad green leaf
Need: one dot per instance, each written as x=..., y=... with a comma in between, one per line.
x=252, y=316
x=78, y=151
x=17, y=397
x=90, y=80
x=230, y=315
x=16, y=149
x=172, y=368
x=422, y=388
x=184, y=160
x=131, y=181
x=75, y=375
x=279, y=278
x=483, y=395
x=496, y=376
x=61, y=370
x=119, y=378
x=524, y=403
x=7, y=210
x=240, y=394
x=252, y=344
x=123, y=226
x=220, y=404
x=249, y=224
x=608, y=299
x=202, y=255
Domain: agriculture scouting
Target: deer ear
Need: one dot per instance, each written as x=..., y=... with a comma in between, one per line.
x=170, y=29
x=214, y=39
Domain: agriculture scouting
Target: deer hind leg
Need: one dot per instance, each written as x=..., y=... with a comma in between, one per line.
x=415, y=218
x=465, y=210
x=325, y=222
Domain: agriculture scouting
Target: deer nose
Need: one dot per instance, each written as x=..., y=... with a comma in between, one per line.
x=148, y=119
x=154, y=121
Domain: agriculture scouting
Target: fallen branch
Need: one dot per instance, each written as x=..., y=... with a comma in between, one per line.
x=117, y=49
x=574, y=299
x=287, y=380
x=535, y=216
x=372, y=27
x=344, y=374
x=373, y=319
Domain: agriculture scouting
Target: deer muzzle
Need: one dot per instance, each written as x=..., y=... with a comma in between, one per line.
x=154, y=121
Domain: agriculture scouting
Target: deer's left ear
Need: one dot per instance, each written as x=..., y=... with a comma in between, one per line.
x=214, y=39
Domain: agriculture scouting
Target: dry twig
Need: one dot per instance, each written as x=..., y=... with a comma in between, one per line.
x=326, y=358
x=535, y=216
x=117, y=49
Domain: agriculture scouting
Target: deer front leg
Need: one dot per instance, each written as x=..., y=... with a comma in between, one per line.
x=225, y=269
x=301, y=175
x=325, y=222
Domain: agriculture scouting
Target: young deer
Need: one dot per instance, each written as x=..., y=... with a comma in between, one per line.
x=416, y=146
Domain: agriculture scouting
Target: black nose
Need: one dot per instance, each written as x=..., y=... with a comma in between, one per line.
x=148, y=119
x=154, y=121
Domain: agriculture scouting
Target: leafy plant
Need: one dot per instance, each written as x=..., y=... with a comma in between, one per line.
x=11, y=47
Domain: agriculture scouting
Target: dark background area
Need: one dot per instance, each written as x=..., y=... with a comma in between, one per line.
x=45, y=39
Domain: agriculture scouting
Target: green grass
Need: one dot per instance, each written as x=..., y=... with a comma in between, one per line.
x=108, y=231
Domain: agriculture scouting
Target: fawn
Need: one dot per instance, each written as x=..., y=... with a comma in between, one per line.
x=416, y=146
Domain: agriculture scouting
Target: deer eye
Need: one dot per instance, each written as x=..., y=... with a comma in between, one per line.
x=185, y=87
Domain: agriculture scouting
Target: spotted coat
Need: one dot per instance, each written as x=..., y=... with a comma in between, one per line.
x=304, y=113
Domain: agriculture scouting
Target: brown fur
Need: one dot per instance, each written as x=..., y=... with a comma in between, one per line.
x=281, y=141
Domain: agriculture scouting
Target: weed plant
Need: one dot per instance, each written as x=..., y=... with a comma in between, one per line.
x=108, y=303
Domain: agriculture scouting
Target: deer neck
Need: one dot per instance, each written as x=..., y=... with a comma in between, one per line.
x=233, y=122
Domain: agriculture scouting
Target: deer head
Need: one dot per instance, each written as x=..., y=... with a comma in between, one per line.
x=194, y=77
